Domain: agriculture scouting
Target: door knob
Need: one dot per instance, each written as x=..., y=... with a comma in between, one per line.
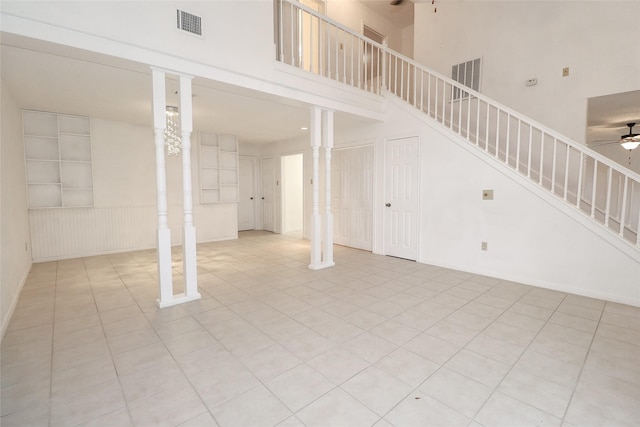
x=388, y=205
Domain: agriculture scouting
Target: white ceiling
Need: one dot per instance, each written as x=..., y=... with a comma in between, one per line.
x=608, y=115
x=60, y=79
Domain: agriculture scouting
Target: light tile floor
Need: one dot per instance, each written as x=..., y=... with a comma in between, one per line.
x=373, y=341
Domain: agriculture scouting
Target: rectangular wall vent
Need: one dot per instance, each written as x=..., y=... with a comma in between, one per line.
x=189, y=22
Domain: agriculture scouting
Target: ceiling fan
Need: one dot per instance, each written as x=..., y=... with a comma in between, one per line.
x=396, y=2
x=628, y=141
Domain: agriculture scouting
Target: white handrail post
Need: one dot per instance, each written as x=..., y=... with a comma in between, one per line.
x=384, y=65
x=580, y=177
x=623, y=208
x=327, y=144
x=607, y=208
x=163, y=242
x=189, y=257
x=593, y=189
x=566, y=173
x=316, y=223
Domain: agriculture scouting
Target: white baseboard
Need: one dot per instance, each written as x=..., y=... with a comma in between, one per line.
x=14, y=303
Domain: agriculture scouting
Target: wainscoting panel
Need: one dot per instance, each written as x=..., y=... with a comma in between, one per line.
x=79, y=232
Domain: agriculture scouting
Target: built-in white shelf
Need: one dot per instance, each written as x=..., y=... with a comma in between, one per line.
x=218, y=168
x=57, y=150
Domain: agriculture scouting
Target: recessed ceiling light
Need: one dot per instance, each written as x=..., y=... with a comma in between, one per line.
x=304, y=128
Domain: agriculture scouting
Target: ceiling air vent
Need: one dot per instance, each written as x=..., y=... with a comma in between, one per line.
x=189, y=22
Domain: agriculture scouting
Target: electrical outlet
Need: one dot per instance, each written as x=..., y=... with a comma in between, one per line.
x=484, y=246
x=565, y=71
x=531, y=82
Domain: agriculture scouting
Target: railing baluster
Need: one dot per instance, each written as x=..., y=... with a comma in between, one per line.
x=281, y=31
x=486, y=137
x=541, y=157
x=623, y=208
x=415, y=87
x=320, y=49
x=451, y=102
x=402, y=79
x=469, y=118
x=518, y=140
x=497, y=133
x=607, y=208
x=360, y=64
x=579, y=189
x=554, y=156
x=422, y=90
x=507, y=149
x=566, y=173
x=435, y=101
x=352, y=61
x=444, y=102
x=459, y=114
x=328, y=31
x=337, y=62
x=293, y=50
x=530, y=152
x=344, y=58
x=395, y=83
x=478, y=122
x=311, y=43
x=593, y=190
x=378, y=72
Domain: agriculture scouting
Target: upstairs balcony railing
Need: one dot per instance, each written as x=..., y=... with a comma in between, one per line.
x=592, y=183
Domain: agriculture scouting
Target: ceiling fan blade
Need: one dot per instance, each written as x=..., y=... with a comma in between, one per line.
x=601, y=143
x=396, y=2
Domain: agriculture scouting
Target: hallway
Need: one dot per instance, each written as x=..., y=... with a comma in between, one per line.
x=373, y=341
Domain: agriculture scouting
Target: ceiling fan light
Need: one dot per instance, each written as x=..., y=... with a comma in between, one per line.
x=630, y=145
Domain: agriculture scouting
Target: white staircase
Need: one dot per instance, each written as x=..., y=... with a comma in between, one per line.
x=590, y=183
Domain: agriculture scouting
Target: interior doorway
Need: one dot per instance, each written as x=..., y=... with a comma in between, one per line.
x=292, y=194
x=246, y=204
x=268, y=193
x=372, y=56
x=401, y=196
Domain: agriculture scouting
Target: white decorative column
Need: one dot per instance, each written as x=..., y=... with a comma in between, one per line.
x=316, y=224
x=189, y=263
x=327, y=145
x=163, y=242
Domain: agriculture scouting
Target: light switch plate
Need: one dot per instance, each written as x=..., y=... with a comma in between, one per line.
x=487, y=194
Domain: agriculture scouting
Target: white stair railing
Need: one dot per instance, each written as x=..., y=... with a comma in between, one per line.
x=595, y=185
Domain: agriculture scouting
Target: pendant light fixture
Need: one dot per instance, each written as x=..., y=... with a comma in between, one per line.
x=172, y=137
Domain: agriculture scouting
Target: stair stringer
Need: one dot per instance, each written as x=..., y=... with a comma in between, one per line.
x=597, y=264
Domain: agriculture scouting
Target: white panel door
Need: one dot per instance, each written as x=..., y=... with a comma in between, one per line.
x=246, y=204
x=268, y=193
x=352, y=196
x=401, y=198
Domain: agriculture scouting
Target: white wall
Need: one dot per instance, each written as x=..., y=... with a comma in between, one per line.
x=529, y=239
x=229, y=27
x=518, y=40
x=15, y=249
x=124, y=216
x=354, y=14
